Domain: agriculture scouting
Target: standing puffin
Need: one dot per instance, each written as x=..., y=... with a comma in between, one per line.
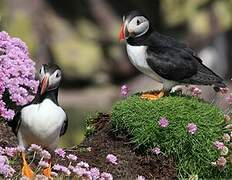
x=42, y=121
x=163, y=58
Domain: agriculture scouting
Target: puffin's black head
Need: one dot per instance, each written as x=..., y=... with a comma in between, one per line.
x=135, y=24
x=49, y=77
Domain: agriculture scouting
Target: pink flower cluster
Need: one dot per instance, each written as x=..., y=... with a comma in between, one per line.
x=111, y=158
x=195, y=91
x=17, y=74
x=192, y=128
x=124, y=90
x=163, y=122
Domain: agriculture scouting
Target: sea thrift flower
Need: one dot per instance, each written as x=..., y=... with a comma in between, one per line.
x=224, y=151
x=35, y=147
x=192, y=128
x=83, y=164
x=226, y=138
x=218, y=145
x=106, y=176
x=195, y=91
x=156, y=150
x=95, y=173
x=140, y=178
x=221, y=162
x=229, y=98
x=61, y=168
x=124, y=91
x=43, y=164
x=17, y=74
x=71, y=157
x=45, y=154
x=60, y=152
x=5, y=169
x=79, y=171
x=111, y=158
x=163, y=122
x=10, y=151
x=20, y=149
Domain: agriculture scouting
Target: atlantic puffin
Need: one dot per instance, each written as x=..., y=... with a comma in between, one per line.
x=42, y=121
x=163, y=58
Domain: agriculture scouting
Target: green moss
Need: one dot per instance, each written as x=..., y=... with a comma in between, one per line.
x=193, y=153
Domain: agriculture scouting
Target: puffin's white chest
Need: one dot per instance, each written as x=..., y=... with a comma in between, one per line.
x=41, y=123
x=137, y=56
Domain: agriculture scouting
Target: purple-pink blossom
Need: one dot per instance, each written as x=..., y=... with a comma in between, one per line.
x=5, y=169
x=60, y=152
x=221, y=162
x=72, y=157
x=95, y=173
x=83, y=164
x=163, y=122
x=218, y=145
x=43, y=164
x=111, y=158
x=140, y=178
x=192, y=128
x=124, y=90
x=61, y=168
x=106, y=176
x=156, y=150
x=17, y=75
x=45, y=154
x=10, y=151
x=195, y=91
x=35, y=147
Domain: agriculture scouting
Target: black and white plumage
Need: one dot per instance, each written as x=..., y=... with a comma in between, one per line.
x=42, y=121
x=163, y=58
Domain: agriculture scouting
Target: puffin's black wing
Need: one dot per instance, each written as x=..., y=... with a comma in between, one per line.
x=64, y=127
x=15, y=123
x=175, y=61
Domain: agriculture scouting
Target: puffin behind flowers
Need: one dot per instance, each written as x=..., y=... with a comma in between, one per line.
x=42, y=121
x=163, y=58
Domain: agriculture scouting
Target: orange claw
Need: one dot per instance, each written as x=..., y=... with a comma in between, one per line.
x=26, y=170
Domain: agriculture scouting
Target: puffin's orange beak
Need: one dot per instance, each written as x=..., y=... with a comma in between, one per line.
x=122, y=33
x=44, y=84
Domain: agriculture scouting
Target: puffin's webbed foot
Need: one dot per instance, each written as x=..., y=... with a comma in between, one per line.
x=26, y=170
x=47, y=171
x=154, y=95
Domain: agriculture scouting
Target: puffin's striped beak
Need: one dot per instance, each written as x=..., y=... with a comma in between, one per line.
x=122, y=33
x=44, y=84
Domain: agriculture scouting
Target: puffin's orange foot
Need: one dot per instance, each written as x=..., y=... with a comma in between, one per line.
x=47, y=172
x=27, y=171
x=152, y=95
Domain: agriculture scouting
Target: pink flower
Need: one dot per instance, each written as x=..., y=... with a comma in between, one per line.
x=60, y=152
x=221, y=162
x=45, y=154
x=106, y=176
x=10, y=151
x=61, y=168
x=124, y=91
x=140, y=178
x=163, y=122
x=192, y=128
x=156, y=150
x=195, y=91
x=71, y=157
x=218, y=145
x=35, y=147
x=43, y=164
x=95, y=173
x=111, y=158
x=83, y=164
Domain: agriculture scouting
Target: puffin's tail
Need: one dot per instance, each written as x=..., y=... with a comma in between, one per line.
x=217, y=86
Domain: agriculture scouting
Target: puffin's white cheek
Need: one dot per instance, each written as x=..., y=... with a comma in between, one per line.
x=141, y=29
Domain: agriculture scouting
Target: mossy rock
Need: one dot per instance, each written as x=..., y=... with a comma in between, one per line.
x=193, y=153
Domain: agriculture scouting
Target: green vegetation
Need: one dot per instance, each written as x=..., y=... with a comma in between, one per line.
x=193, y=153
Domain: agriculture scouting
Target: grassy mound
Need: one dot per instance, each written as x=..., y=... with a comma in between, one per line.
x=193, y=153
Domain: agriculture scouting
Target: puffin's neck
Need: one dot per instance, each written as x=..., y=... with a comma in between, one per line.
x=52, y=95
x=141, y=40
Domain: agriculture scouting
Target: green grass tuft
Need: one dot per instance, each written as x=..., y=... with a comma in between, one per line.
x=193, y=153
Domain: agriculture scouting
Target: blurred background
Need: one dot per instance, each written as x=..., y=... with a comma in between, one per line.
x=81, y=36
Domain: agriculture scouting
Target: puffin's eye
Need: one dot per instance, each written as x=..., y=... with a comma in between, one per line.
x=57, y=74
x=138, y=21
